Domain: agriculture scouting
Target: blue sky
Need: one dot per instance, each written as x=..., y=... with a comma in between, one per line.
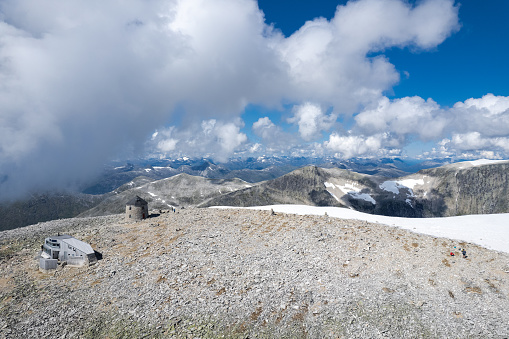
x=469, y=64
x=84, y=82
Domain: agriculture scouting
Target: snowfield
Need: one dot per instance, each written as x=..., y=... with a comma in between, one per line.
x=352, y=190
x=482, y=162
x=395, y=186
x=488, y=230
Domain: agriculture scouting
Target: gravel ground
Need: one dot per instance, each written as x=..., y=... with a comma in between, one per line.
x=203, y=273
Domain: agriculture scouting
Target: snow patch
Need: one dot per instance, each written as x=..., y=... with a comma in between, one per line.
x=148, y=169
x=152, y=194
x=480, y=162
x=333, y=195
x=329, y=185
x=352, y=190
x=363, y=196
x=390, y=186
x=395, y=186
x=410, y=183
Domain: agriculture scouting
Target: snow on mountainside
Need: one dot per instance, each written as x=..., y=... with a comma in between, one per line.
x=468, y=187
x=479, y=187
x=482, y=162
x=250, y=169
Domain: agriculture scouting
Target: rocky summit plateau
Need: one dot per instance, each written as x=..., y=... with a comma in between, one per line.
x=236, y=273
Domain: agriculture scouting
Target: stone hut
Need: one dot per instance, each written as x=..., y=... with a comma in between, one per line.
x=136, y=209
x=62, y=248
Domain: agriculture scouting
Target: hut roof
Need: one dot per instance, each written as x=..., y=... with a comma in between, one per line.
x=82, y=246
x=136, y=201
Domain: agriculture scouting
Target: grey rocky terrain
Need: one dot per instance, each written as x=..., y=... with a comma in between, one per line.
x=207, y=273
x=44, y=207
x=451, y=190
x=303, y=186
x=182, y=190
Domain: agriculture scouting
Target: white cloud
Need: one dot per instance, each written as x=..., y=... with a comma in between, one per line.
x=478, y=126
x=489, y=104
x=229, y=138
x=212, y=138
x=311, y=120
x=82, y=81
x=167, y=145
x=274, y=139
x=328, y=59
x=475, y=125
x=488, y=115
x=350, y=146
x=469, y=141
x=266, y=129
x=474, y=141
x=409, y=115
x=255, y=148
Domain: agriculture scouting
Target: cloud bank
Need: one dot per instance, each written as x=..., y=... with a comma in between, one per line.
x=82, y=82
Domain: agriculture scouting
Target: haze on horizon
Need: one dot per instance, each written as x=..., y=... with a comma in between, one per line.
x=84, y=82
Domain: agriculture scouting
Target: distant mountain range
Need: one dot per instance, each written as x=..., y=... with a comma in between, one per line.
x=252, y=170
x=383, y=187
x=175, y=192
x=456, y=189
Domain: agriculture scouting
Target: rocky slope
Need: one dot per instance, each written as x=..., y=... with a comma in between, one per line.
x=463, y=188
x=236, y=273
x=44, y=207
x=182, y=190
x=248, y=169
x=457, y=189
x=303, y=186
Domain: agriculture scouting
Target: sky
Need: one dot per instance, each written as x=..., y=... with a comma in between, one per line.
x=85, y=82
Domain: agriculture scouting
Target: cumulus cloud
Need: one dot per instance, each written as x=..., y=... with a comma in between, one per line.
x=81, y=81
x=410, y=115
x=210, y=138
x=267, y=130
x=488, y=115
x=311, y=120
x=479, y=125
x=349, y=146
x=475, y=125
x=328, y=59
x=475, y=141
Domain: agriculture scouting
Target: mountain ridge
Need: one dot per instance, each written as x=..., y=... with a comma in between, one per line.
x=470, y=187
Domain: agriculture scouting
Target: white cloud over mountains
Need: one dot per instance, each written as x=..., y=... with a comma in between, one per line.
x=476, y=125
x=312, y=120
x=405, y=116
x=211, y=138
x=81, y=81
